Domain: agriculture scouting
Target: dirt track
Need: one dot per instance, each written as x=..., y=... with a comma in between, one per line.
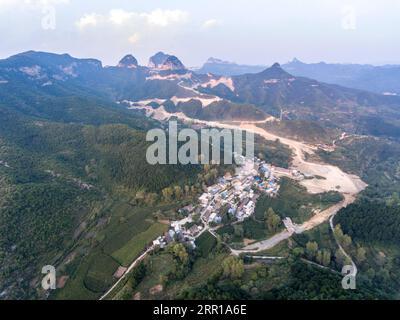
x=333, y=178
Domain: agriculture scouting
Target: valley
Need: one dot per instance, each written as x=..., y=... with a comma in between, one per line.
x=73, y=149
x=333, y=179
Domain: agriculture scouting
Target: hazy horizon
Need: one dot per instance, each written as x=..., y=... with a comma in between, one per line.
x=252, y=33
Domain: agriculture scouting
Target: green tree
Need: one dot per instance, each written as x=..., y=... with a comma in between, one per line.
x=340, y=258
x=238, y=230
x=178, y=192
x=337, y=231
x=394, y=200
x=137, y=275
x=167, y=193
x=232, y=268
x=319, y=257
x=272, y=220
x=346, y=241
x=151, y=199
x=311, y=249
x=298, y=251
x=361, y=254
x=326, y=257
x=187, y=190
x=179, y=252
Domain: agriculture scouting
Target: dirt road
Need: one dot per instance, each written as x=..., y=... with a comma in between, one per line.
x=331, y=178
x=313, y=222
x=354, y=267
x=133, y=264
x=264, y=244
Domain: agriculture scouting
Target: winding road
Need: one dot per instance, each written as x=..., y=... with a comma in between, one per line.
x=334, y=179
x=132, y=265
x=354, y=267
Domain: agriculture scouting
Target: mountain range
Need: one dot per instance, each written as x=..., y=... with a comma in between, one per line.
x=380, y=79
x=75, y=187
x=383, y=79
x=166, y=82
x=226, y=68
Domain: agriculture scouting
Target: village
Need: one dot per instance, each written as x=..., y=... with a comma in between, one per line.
x=235, y=196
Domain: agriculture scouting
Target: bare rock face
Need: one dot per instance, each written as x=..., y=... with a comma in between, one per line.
x=164, y=61
x=129, y=61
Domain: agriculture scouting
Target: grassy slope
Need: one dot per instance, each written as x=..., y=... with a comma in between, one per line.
x=134, y=246
x=51, y=207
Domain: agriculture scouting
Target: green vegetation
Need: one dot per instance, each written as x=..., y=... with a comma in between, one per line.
x=273, y=152
x=310, y=282
x=219, y=110
x=301, y=130
x=295, y=202
x=373, y=222
x=292, y=201
x=77, y=192
x=232, y=268
x=205, y=243
x=128, y=232
x=68, y=182
x=272, y=220
x=135, y=246
x=319, y=246
x=376, y=161
x=75, y=288
x=99, y=274
x=248, y=229
x=37, y=222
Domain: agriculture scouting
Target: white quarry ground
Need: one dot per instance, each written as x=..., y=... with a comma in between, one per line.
x=334, y=180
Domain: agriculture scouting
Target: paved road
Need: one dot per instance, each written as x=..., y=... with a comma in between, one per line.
x=354, y=273
x=350, y=185
x=265, y=244
x=141, y=257
x=314, y=221
x=133, y=264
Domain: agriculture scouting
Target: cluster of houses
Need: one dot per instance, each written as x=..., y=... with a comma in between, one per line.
x=184, y=230
x=266, y=180
x=233, y=195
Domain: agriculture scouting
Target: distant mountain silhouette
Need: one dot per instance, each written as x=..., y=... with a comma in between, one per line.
x=379, y=79
x=225, y=68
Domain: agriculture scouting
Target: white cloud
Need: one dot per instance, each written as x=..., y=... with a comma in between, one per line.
x=46, y=2
x=152, y=29
x=164, y=18
x=9, y=3
x=118, y=16
x=211, y=23
x=157, y=17
x=89, y=20
x=5, y=3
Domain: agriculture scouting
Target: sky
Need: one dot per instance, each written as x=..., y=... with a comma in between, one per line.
x=257, y=32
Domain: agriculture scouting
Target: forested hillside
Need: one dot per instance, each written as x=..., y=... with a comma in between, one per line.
x=57, y=172
x=77, y=192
